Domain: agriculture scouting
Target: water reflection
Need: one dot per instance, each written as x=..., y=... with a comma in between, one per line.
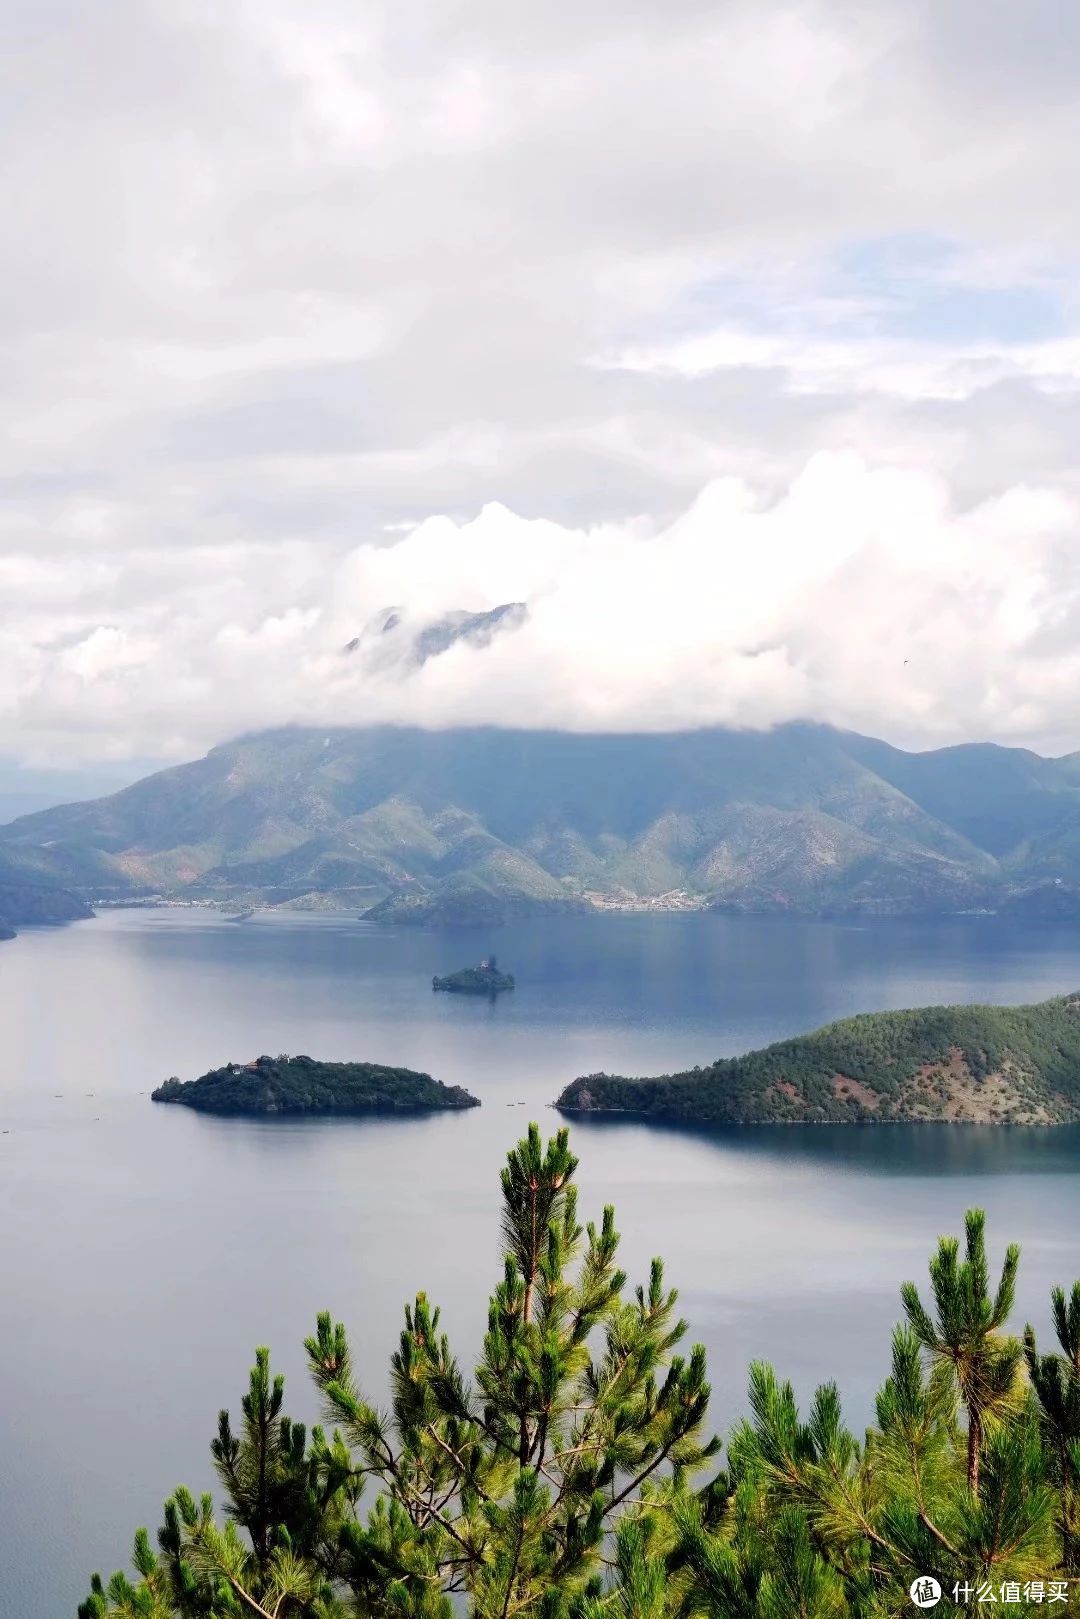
x=898, y=1149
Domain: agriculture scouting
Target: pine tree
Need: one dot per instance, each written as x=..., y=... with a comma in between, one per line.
x=1055, y=1381
x=512, y=1481
x=289, y=1498
x=810, y=1521
x=566, y=1479
x=503, y=1487
x=966, y=1336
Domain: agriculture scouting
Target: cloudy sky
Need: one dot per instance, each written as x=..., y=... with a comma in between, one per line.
x=741, y=341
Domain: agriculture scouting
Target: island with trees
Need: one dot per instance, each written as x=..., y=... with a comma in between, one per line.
x=947, y=1064
x=300, y=1085
x=574, y=1473
x=484, y=979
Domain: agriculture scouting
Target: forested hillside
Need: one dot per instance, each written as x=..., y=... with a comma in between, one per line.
x=956, y=1064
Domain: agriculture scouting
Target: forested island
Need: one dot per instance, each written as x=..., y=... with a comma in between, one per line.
x=949, y=1064
x=485, y=979
x=282, y=1085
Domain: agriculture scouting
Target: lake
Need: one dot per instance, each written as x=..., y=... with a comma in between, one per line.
x=148, y=1250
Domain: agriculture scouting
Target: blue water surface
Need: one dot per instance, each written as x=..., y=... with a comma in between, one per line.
x=147, y=1250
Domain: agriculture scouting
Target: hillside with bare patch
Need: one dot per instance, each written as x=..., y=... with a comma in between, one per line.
x=944, y=1064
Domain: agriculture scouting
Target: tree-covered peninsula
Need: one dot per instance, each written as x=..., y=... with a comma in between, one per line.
x=276, y=1085
x=951, y=1064
x=573, y=1473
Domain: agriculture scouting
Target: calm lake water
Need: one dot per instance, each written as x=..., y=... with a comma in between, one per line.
x=147, y=1251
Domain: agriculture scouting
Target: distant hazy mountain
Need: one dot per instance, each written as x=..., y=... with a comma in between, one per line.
x=29, y=895
x=24, y=789
x=480, y=823
x=30, y=888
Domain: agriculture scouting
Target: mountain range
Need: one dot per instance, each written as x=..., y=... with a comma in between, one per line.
x=477, y=824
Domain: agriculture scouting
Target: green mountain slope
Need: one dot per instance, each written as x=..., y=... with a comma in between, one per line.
x=478, y=824
x=954, y=1064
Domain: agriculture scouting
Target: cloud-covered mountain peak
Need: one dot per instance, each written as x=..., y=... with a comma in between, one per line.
x=392, y=637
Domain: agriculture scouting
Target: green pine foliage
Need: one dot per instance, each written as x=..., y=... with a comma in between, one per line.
x=1005, y=1064
x=572, y=1474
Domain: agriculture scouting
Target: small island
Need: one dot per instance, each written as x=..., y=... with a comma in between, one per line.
x=301, y=1085
x=486, y=979
x=992, y=1065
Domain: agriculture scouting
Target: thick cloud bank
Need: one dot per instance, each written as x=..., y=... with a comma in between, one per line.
x=858, y=597
x=284, y=278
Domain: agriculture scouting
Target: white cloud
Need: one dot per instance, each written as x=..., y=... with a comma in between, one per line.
x=860, y=597
x=291, y=292
x=913, y=370
x=106, y=652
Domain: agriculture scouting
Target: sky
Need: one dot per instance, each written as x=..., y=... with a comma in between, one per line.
x=739, y=341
